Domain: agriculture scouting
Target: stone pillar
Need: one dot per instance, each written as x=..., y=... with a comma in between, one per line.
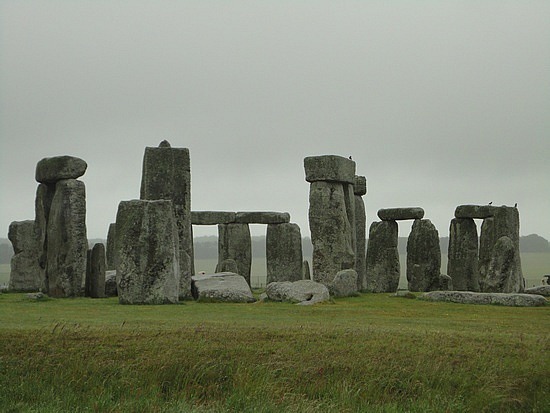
x=111, y=248
x=382, y=262
x=360, y=189
x=283, y=253
x=148, y=260
x=234, y=243
x=462, y=266
x=423, y=257
x=95, y=274
x=42, y=205
x=331, y=215
x=25, y=273
x=167, y=175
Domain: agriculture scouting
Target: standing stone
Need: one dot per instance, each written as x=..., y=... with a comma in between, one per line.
x=382, y=262
x=66, y=239
x=423, y=257
x=344, y=284
x=111, y=248
x=306, y=273
x=167, y=175
x=148, y=259
x=95, y=274
x=234, y=243
x=502, y=275
x=25, y=274
x=43, y=203
x=360, y=189
x=462, y=266
x=283, y=253
x=504, y=223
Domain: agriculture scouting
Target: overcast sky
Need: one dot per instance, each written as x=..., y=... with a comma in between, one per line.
x=440, y=103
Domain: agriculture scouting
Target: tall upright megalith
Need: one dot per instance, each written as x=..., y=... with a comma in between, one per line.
x=110, y=250
x=167, y=175
x=25, y=273
x=148, y=252
x=360, y=189
x=283, y=252
x=235, y=243
x=382, y=261
x=331, y=215
x=463, y=262
x=60, y=224
x=96, y=271
x=423, y=257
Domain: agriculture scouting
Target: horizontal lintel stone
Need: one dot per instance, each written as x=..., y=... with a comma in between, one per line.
x=332, y=168
x=400, y=214
x=475, y=211
x=262, y=217
x=212, y=217
x=57, y=168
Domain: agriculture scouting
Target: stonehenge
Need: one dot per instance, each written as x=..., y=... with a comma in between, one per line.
x=382, y=261
x=25, y=271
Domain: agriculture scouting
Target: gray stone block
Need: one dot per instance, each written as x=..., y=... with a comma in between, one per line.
x=25, y=272
x=360, y=185
x=331, y=168
x=262, y=217
x=302, y=292
x=110, y=251
x=57, y=168
x=224, y=287
x=474, y=211
x=463, y=257
x=344, y=284
x=382, y=262
x=212, y=217
x=283, y=253
x=234, y=243
x=423, y=257
x=467, y=297
x=400, y=214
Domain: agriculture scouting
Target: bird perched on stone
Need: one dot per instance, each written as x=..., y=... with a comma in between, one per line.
x=491, y=203
x=350, y=158
x=516, y=205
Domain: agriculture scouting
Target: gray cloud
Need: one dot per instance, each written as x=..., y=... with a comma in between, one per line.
x=440, y=103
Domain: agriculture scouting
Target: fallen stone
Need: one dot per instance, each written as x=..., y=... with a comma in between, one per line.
x=57, y=168
x=330, y=168
x=212, y=217
x=543, y=290
x=467, y=297
x=400, y=214
x=344, y=284
x=148, y=259
x=382, y=261
x=474, y=211
x=224, y=287
x=256, y=217
x=36, y=296
x=302, y=292
x=423, y=257
x=110, y=283
x=283, y=253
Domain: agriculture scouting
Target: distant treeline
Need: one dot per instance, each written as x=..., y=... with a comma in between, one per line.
x=207, y=247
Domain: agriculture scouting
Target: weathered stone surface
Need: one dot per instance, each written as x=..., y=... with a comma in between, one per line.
x=95, y=276
x=400, y=214
x=167, y=175
x=463, y=257
x=502, y=276
x=360, y=243
x=303, y=292
x=344, y=284
x=423, y=257
x=382, y=263
x=67, y=243
x=474, y=211
x=147, y=245
x=110, y=283
x=306, y=273
x=360, y=185
x=110, y=252
x=25, y=273
x=234, y=243
x=222, y=287
x=467, y=297
x=43, y=203
x=57, y=168
x=331, y=230
x=445, y=283
x=330, y=168
x=262, y=217
x=228, y=265
x=504, y=223
x=212, y=217
x=283, y=253
x=543, y=290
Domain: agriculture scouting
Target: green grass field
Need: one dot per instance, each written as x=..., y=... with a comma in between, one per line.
x=372, y=353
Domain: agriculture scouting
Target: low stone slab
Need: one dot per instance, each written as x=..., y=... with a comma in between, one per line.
x=212, y=217
x=263, y=217
x=543, y=290
x=400, y=214
x=360, y=185
x=467, y=297
x=344, y=284
x=332, y=168
x=51, y=170
x=475, y=211
x=226, y=287
x=302, y=292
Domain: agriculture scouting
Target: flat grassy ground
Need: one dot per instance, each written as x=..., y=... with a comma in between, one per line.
x=372, y=353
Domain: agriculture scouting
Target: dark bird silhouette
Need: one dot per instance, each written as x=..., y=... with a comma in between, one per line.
x=350, y=158
x=491, y=203
x=516, y=205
